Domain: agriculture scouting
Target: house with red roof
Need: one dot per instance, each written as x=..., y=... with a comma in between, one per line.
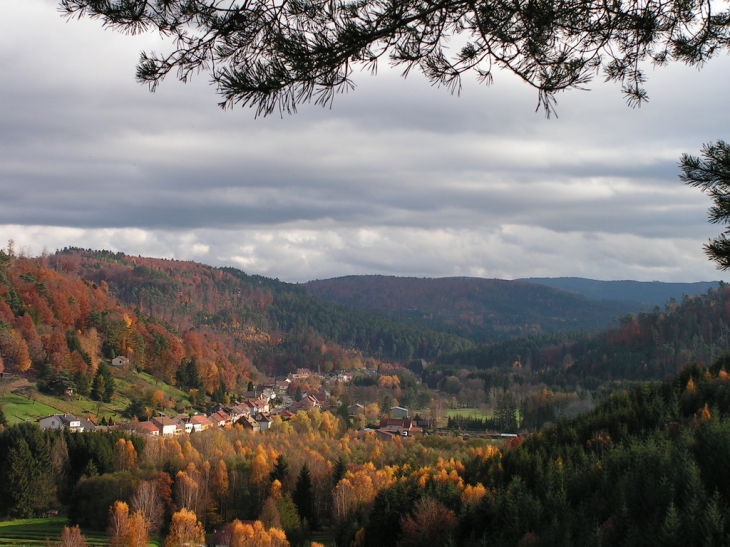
x=200, y=422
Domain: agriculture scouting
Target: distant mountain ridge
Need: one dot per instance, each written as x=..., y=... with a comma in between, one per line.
x=647, y=346
x=479, y=309
x=650, y=293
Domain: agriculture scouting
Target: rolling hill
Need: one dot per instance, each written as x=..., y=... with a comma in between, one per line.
x=482, y=310
x=646, y=293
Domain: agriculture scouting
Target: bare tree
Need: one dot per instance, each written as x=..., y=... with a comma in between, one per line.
x=147, y=501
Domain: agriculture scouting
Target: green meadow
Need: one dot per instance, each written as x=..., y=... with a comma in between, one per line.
x=41, y=532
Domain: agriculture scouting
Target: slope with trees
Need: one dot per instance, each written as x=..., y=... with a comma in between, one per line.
x=645, y=467
x=644, y=346
x=484, y=310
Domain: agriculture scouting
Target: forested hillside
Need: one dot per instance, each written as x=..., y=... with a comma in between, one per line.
x=647, y=466
x=648, y=345
x=648, y=293
x=62, y=314
x=484, y=310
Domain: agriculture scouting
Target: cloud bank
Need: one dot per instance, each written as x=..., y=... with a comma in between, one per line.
x=397, y=178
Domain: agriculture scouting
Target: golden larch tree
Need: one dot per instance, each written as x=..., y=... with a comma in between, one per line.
x=185, y=530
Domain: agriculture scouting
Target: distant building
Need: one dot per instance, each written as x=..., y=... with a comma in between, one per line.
x=87, y=425
x=146, y=428
x=120, y=362
x=385, y=435
x=249, y=423
x=62, y=421
x=264, y=421
x=200, y=422
x=220, y=418
x=167, y=426
x=403, y=427
x=354, y=410
x=399, y=412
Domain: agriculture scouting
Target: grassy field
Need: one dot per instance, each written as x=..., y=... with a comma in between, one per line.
x=21, y=401
x=39, y=532
x=18, y=409
x=170, y=391
x=468, y=413
x=324, y=537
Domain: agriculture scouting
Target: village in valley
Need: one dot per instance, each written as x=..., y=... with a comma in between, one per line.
x=271, y=400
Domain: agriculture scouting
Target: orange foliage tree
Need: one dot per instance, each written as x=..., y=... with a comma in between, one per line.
x=185, y=530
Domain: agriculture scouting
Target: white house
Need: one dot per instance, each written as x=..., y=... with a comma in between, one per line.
x=120, y=362
x=264, y=421
x=167, y=426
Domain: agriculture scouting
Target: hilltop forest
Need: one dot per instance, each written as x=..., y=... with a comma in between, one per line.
x=483, y=310
x=213, y=329
x=64, y=313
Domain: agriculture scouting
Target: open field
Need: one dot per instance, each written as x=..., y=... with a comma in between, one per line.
x=468, y=413
x=39, y=532
x=18, y=409
x=22, y=402
x=324, y=537
x=170, y=391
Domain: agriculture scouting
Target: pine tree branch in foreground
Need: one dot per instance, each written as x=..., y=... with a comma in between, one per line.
x=276, y=54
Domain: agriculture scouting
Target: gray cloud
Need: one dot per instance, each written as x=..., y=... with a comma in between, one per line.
x=398, y=177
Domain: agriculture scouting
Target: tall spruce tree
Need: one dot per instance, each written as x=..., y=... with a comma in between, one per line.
x=303, y=497
x=281, y=469
x=340, y=468
x=19, y=480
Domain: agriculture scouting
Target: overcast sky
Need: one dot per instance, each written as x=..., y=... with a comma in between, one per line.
x=397, y=178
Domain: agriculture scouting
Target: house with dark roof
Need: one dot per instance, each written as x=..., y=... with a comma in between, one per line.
x=399, y=412
x=264, y=421
x=62, y=421
x=404, y=427
x=249, y=423
x=354, y=410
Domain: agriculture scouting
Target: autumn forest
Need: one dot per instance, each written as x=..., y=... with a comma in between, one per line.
x=609, y=428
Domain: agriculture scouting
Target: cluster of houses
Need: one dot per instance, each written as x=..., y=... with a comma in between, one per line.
x=255, y=412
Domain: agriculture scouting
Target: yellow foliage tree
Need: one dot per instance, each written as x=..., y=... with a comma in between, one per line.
x=137, y=531
x=22, y=357
x=125, y=456
x=185, y=530
x=118, y=517
x=255, y=535
x=472, y=495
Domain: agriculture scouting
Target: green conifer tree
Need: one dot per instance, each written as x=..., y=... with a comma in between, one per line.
x=669, y=533
x=19, y=478
x=303, y=497
x=339, y=470
x=281, y=469
x=98, y=388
